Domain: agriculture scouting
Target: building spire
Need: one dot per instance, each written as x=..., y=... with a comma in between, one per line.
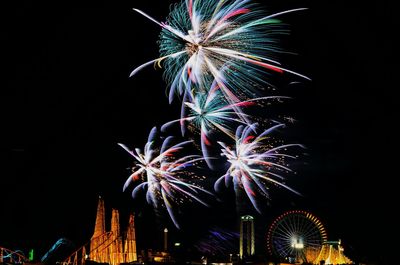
x=130, y=242
x=116, y=245
x=100, y=225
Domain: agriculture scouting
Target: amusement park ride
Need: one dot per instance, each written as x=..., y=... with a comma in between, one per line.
x=11, y=256
x=299, y=237
x=296, y=237
x=111, y=247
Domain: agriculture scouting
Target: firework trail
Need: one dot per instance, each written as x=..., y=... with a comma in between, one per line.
x=217, y=57
x=218, y=242
x=255, y=163
x=163, y=173
x=230, y=41
x=210, y=112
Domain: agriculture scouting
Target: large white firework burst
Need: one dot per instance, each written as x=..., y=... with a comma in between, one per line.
x=255, y=163
x=163, y=174
x=233, y=42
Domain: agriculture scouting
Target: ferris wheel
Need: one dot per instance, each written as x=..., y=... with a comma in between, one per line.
x=296, y=236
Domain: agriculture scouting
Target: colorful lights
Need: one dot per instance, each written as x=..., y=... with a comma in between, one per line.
x=219, y=57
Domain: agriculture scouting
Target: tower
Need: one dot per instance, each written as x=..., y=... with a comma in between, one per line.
x=130, y=253
x=166, y=239
x=98, y=237
x=116, y=240
x=246, y=241
x=110, y=246
x=100, y=225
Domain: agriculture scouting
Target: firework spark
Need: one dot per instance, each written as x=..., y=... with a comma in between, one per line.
x=210, y=112
x=255, y=162
x=218, y=242
x=230, y=41
x=162, y=173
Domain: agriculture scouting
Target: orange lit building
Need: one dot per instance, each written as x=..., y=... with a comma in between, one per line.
x=110, y=247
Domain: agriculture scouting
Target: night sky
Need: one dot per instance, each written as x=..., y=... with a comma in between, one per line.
x=66, y=101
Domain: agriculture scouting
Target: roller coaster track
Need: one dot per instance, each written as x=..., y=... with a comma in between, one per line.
x=12, y=256
x=79, y=256
x=61, y=242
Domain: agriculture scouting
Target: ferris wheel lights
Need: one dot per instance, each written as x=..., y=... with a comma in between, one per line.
x=296, y=234
x=298, y=246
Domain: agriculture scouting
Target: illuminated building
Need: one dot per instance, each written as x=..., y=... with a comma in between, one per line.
x=130, y=253
x=107, y=246
x=332, y=253
x=246, y=242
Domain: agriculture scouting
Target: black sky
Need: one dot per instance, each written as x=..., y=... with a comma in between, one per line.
x=66, y=101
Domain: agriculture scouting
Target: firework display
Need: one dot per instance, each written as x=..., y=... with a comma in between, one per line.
x=218, y=57
x=255, y=161
x=232, y=42
x=162, y=173
x=210, y=112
